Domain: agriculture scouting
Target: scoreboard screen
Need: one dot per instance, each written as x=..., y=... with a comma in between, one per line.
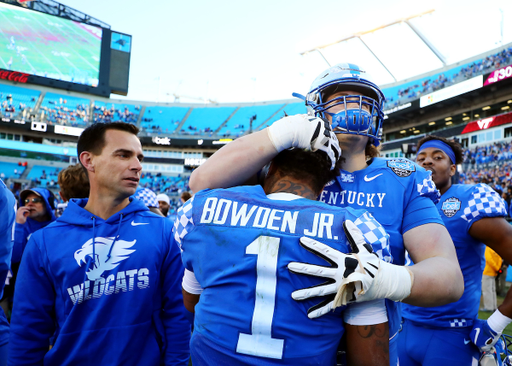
x=49, y=50
x=45, y=45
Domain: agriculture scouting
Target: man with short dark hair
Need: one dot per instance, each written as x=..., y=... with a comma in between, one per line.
x=104, y=281
x=474, y=215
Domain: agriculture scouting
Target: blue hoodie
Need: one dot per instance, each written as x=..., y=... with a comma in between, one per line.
x=23, y=231
x=8, y=214
x=109, y=291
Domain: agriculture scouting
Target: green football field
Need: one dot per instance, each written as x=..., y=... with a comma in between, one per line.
x=45, y=45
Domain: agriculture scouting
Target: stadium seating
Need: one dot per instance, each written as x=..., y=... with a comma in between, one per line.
x=113, y=112
x=10, y=170
x=289, y=109
x=406, y=92
x=240, y=122
x=205, y=120
x=14, y=100
x=43, y=176
x=65, y=109
x=162, y=119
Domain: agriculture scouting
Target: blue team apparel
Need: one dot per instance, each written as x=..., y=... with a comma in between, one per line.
x=108, y=291
x=238, y=242
x=23, y=231
x=8, y=210
x=460, y=207
x=400, y=195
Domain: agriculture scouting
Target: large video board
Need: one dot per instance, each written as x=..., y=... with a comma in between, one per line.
x=44, y=49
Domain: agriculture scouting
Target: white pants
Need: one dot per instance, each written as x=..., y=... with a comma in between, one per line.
x=489, y=292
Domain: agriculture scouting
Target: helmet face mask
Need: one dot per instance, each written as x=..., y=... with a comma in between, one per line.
x=358, y=114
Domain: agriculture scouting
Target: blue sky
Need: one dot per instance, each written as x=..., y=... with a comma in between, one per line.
x=244, y=51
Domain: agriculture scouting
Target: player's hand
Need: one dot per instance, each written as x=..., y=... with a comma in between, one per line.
x=483, y=336
x=356, y=277
x=22, y=214
x=305, y=132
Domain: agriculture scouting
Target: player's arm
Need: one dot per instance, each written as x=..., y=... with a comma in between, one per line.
x=437, y=276
x=240, y=160
x=33, y=317
x=174, y=314
x=496, y=233
x=367, y=333
x=191, y=290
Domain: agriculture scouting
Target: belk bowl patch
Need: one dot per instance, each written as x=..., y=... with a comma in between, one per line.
x=451, y=206
x=402, y=167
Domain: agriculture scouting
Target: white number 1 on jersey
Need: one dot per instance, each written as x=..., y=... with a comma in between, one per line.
x=260, y=341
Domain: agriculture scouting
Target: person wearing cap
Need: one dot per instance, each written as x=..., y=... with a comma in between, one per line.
x=149, y=198
x=35, y=212
x=474, y=215
x=164, y=203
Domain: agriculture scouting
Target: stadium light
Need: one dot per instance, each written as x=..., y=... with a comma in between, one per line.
x=403, y=131
x=449, y=123
x=432, y=123
x=486, y=108
x=466, y=118
x=509, y=101
x=477, y=115
x=505, y=108
x=448, y=119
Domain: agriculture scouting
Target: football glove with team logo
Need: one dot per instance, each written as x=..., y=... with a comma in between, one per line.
x=355, y=277
x=305, y=132
x=483, y=336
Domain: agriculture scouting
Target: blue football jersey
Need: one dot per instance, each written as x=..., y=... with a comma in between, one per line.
x=238, y=242
x=460, y=207
x=399, y=194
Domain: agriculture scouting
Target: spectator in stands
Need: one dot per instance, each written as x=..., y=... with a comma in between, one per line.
x=104, y=281
x=164, y=203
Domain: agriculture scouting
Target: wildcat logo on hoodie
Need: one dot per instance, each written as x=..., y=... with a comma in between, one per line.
x=105, y=255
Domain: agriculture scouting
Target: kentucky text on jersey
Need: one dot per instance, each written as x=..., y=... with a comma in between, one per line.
x=353, y=198
x=228, y=212
x=124, y=281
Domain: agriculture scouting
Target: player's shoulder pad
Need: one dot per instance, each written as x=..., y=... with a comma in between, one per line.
x=483, y=201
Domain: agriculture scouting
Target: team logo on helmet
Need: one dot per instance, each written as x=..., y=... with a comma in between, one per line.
x=402, y=167
x=451, y=206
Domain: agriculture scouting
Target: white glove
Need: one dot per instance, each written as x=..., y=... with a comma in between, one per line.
x=356, y=277
x=372, y=278
x=305, y=132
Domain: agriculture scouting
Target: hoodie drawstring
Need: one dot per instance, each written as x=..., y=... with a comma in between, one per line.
x=91, y=261
x=115, y=238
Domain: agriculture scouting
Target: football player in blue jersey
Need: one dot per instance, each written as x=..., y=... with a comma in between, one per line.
x=399, y=194
x=245, y=314
x=475, y=217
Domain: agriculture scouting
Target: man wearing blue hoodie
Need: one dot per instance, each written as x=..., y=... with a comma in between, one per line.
x=104, y=280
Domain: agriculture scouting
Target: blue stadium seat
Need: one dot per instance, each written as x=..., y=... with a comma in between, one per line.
x=205, y=120
x=114, y=112
x=8, y=169
x=162, y=119
x=240, y=122
x=290, y=109
x=66, y=109
x=14, y=100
